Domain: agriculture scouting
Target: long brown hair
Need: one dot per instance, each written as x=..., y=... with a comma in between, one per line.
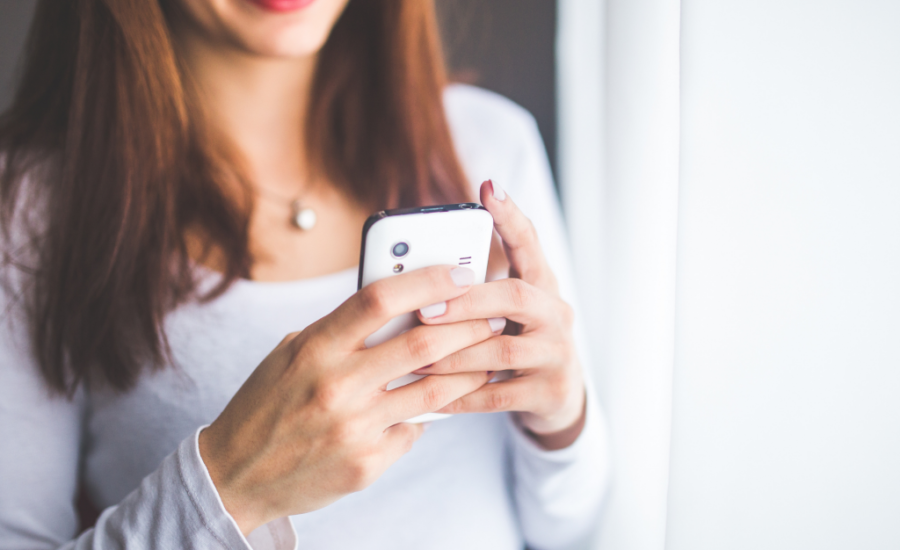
x=104, y=114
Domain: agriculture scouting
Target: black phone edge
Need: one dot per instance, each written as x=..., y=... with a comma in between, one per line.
x=402, y=212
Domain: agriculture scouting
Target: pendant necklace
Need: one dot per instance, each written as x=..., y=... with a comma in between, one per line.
x=302, y=217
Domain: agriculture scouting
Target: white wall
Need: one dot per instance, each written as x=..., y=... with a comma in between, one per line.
x=787, y=375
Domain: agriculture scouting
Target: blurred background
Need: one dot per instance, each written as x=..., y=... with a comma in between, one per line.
x=730, y=175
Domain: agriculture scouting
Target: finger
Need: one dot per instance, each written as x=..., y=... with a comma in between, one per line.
x=513, y=299
x=421, y=346
x=515, y=394
x=376, y=304
x=498, y=264
x=429, y=394
x=520, y=239
x=398, y=439
x=496, y=354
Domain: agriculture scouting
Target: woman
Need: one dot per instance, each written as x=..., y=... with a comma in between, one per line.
x=155, y=157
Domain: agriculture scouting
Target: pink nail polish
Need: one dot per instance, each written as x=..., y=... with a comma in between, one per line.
x=434, y=310
x=462, y=276
x=497, y=191
x=497, y=324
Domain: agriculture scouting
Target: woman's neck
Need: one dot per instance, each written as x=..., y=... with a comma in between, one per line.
x=259, y=104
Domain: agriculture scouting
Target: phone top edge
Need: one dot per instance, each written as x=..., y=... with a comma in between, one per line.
x=428, y=209
x=377, y=216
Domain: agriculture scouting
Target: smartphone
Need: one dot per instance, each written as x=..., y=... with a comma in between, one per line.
x=402, y=240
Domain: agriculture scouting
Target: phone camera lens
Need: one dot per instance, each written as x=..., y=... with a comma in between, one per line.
x=400, y=250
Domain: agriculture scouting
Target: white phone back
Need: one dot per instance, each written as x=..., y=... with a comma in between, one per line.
x=445, y=235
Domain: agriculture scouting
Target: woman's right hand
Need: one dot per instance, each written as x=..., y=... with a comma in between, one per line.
x=314, y=421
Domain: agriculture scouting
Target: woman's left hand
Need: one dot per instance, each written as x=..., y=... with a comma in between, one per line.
x=547, y=387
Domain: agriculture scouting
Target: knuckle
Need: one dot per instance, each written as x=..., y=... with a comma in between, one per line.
x=521, y=294
x=498, y=400
x=509, y=352
x=376, y=300
x=412, y=435
x=524, y=231
x=434, y=394
x=311, y=351
x=464, y=302
x=300, y=345
x=421, y=344
x=530, y=232
x=330, y=394
x=288, y=339
x=478, y=330
x=452, y=363
x=526, y=234
x=360, y=472
x=409, y=442
x=455, y=407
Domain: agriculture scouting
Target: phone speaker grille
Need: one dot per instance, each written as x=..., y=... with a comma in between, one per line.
x=465, y=261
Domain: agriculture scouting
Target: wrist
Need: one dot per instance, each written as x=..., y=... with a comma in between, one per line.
x=231, y=499
x=562, y=433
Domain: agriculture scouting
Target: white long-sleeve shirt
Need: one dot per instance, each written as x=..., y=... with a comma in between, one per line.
x=471, y=481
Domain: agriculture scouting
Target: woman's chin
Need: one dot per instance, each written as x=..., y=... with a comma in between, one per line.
x=271, y=28
x=282, y=45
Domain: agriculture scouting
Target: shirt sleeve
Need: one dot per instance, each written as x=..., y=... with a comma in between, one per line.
x=558, y=493
x=176, y=506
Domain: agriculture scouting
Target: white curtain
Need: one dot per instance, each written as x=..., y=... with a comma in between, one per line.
x=731, y=178
x=619, y=129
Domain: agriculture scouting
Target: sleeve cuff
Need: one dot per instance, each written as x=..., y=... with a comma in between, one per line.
x=524, y=444
x=559, y=493
x=275, y=535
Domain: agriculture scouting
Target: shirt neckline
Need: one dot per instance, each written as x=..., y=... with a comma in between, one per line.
x=309, y=284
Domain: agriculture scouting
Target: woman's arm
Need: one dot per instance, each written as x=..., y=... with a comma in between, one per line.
x=42, y=436
x=558, y=491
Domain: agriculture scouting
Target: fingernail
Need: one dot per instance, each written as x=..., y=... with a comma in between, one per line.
x=497, y=324
x=462, y=277
x=432, y=311
x=498, y=191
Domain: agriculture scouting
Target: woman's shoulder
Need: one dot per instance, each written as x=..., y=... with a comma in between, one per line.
x=474, y=107
x=479, y=115
x=492, y=134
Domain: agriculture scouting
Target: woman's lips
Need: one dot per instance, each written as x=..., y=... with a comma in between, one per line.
x=282, y=5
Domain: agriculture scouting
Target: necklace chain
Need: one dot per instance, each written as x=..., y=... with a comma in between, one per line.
x=302, y=217
x=269, y=194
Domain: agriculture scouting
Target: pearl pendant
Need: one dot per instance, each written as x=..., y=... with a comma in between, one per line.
x=303, y=218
